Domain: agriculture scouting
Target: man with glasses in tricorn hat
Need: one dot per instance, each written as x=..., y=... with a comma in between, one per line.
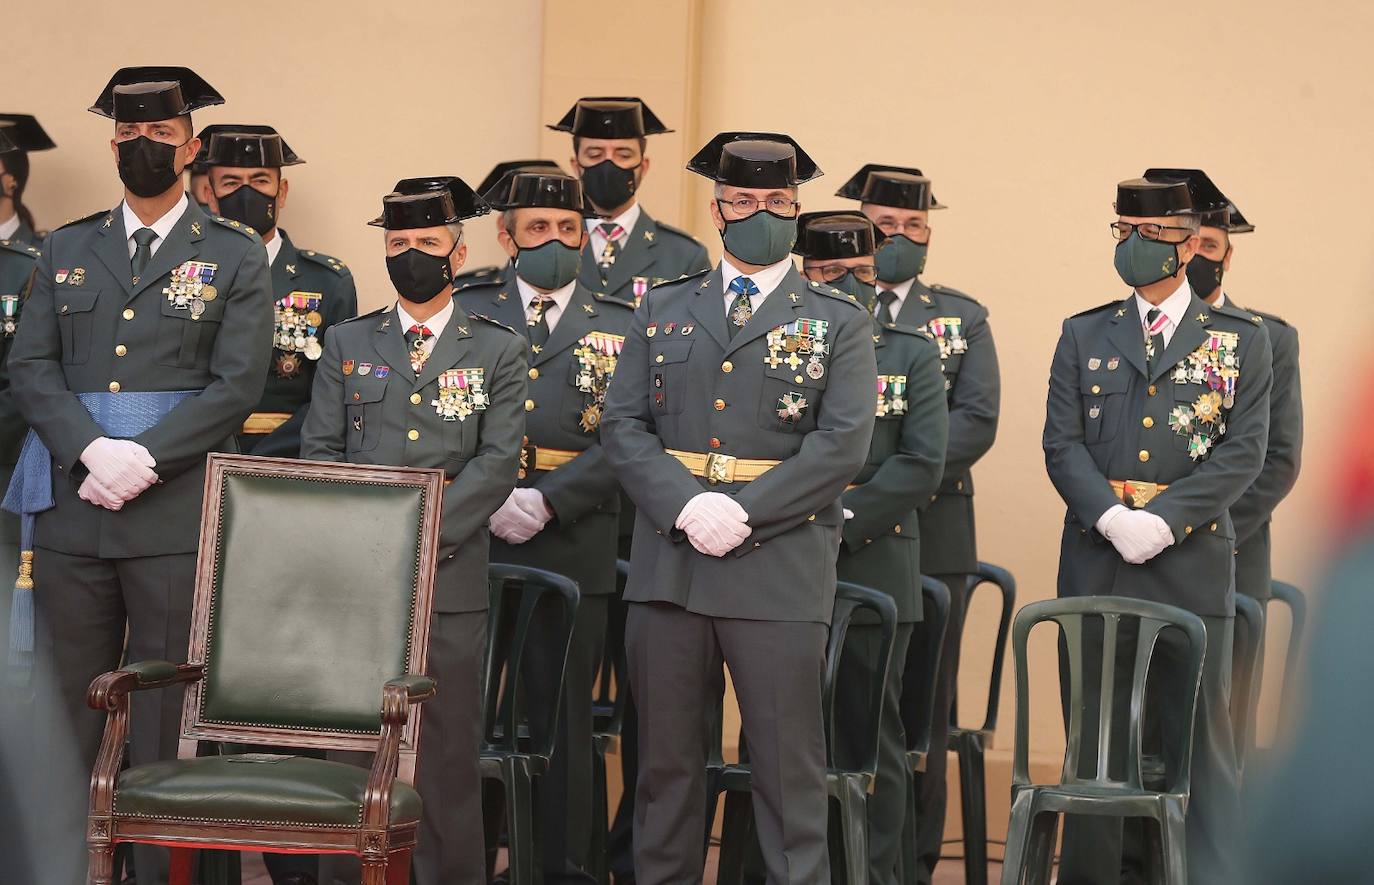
x=311, y=290
x=563, y=514
x=881, y=537
x=1156, y=423
x=743, y=406
x=143, y=347
x=426, y=384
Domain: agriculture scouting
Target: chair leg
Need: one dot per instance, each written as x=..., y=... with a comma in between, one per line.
x=854, y=829
x=1174, y=844
x=520, y=822
x=219, y=868
x=1040, y=860
x=906, y=861
x=100, y=861
x=712, y=802
x=600, y=814
x=398, y=868
x=1018, y=837
x=974, y=804
x=182, y=862
x=734, y=838
x=374, y=872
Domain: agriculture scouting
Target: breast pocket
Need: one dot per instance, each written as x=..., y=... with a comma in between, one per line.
x=186, y=338
x=74, y=322
x=1104, y=401
x=668, y=375
x=364, y=398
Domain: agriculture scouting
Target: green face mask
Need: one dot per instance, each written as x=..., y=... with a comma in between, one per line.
x=1141, y=262
x=762, y=238
x=852, y=285
x=900, y=259
x=550, y=265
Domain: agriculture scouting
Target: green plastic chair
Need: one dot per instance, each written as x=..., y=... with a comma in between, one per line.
x=935, y=611
x=1286, y=594
x=970, y=744
x=848, y=787
x=608, y=714
x=518, y=740
x=1247, y=670
x=1036, y=808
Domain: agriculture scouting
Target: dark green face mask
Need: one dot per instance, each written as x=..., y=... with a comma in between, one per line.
x=1204, y=275
x=762, y=238
x=1141, y=262
x=900, y=259
x=550, y=265
x=852, y=285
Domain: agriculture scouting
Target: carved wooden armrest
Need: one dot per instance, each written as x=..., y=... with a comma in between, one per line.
x=397, y=697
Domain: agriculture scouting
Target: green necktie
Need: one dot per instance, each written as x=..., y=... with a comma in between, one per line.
x=143, y=251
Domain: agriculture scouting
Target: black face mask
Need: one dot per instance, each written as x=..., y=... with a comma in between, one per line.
x=1204, y=275
x=148, y=167
x=417, y=275
x=609, y=186
x=252, y=207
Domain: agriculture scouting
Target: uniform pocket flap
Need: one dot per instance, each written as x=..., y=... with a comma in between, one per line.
x=74, y=301
x=1103, y=383
x=665, y=352
x=364, y=390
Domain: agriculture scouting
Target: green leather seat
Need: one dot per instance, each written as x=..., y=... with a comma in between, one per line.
x=255, y=788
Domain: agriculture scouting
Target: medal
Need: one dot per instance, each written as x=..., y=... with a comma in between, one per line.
x=461, y=394
x=668, y=328
x=78, y=276
x=1113, y=363
x=687, y=328
x=313, y=350
x=1094, y=364
x=208, y=292
x=348, y=367
x=381, y=372
x=814, y=370
x=9, y=315
x=286, y=365
x=791, y=406
x=591, y=418
x=651, y=330
x=364, y=368
x=313, y=318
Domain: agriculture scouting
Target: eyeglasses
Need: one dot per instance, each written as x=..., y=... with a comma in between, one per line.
x=912, y=228
x=1148, y=230
x=829, y=273
x=776, y=205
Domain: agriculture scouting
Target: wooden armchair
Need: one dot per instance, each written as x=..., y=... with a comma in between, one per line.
x=309, y=629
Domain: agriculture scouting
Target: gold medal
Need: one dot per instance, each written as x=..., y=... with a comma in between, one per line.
x=313, y=318
x=287, y=365
x=208, y=292
x=591, y=418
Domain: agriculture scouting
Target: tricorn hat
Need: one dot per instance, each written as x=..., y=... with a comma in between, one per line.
x=836, y=234
x=619, y=117
x=754, y=159
x=501, y=170
x=533, y=190
x=1214, y=207
x=904, y=187
x=429, y=202
x=1143, y=198
x=26, y=132
x=258, y=146
x=145, y=94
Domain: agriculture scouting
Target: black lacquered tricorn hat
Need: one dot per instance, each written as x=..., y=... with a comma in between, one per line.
x=429, y=202
x=145, y=94
x=610, y=117
x=26, y=132
x=836, y=234
x=6, y=143
x=1214, y=207
x=248, y=148
x=903, y=187
x=1143, y=198
x=501, y=170
x=754, y=159
x=538, y=190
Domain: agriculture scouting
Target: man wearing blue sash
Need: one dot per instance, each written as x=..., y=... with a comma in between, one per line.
x=144, y=345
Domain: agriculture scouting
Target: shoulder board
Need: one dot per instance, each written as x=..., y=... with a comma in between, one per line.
x=686, y=276
x=914, y=331
x=946, y=290
x=676, y=231
x=362, y=316
x=1268, y=317
x=21, y=248
x=101, y=214
x=486, y=319
x=611, y=299
x=237, y=226
x=479, y=275
x=1235, y=312
x=324, y=260
x=832, y=292
x=1098, y=309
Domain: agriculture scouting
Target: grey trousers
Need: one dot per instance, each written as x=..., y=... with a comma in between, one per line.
x=675, y=659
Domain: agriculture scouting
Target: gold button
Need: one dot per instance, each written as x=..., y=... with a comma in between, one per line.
x=659, y=358
x=811, y=518
x=715, y=443
x=128, y=313
x=1187, y=530
x=529, y=405
x=534, y=374
x=120, y=350
x=727, y=367
x=1214, y=527
x=114, y=387
x=357, y=396
x=798, y=379
x=1148, y=422
x=1153, y=390
x=720, y=405
x=1097, y=388
x=897, y=529
x=1144, y=455
x=959, y=485
x=415, y=399
x=413, y=434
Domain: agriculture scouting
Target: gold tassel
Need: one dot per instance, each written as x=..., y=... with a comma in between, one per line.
x=25, y=579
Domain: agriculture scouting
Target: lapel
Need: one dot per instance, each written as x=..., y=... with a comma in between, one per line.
x=708, y=307
x=637, y=255
x=183, y=244
x=1126, y=332
x=777, y=309
x=503, y=305
x=574, y=324
x=918, y=308
x=451, y=346
x=287, y=266
x=112, y=248
x=390, y=344
x=1190, y=333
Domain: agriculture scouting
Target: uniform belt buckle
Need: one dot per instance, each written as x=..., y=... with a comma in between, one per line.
x=1141, y=493
x=720, y=468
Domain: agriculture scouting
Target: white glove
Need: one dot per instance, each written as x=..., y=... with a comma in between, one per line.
x=93, y=492
x=520, y=517
x=1137, y=535
x=714, y=523
x=848, y=514
x=123, y=467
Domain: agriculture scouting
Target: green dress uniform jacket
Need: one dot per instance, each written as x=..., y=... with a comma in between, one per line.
x=561, y=415
x=973, y=382
x=364, y=416
x=27, y=236
x=17, y=263
x=653, y=253
x=317, y=275
x=882, y=542
x=683, y=383
x=1106, y=419
x=88, y=327
x=482, y=276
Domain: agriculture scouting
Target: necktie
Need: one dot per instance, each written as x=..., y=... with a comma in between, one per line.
x=887, y=303
x=1155, y=321
x=539, y=321
x=741, y=309
x=143, y=250
x=416, y=337
x=612, y=232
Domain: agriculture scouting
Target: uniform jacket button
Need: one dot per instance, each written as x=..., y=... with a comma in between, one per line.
x=727, y=367
x=415, y=397
x=1144, y=455
x=529, y=405
x=128, y=313
x=114, y=387
x=413, y=434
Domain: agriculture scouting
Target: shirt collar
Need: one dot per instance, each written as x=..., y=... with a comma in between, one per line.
x=901, y=290
x=528, y=293
x=436, y=324
x=273, y=247
x=767, y=279
x=1175, y=307
x=1221, y=300
x=163, y=226
x=8, y=228
x=627, y=221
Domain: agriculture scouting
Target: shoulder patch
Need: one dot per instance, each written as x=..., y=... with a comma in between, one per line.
x=946, y=290
x=611, y=299
x=21, y=248
x=324, y=260
x=101, y=214
x=486, y=319
x=238, y=227
x=1098, y=309
x=686, y=276
x=362, y=316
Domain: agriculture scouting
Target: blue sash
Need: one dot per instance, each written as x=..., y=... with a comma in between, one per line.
x=121, y=416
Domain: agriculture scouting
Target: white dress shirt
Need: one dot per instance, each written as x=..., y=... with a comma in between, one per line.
x=435, y=324
x=162, y=227
x=627, y=221
x=766, y=280
x=901, y=290
x=1175, y=307
x=552, y=312
x=273, y=246
x=9, y=228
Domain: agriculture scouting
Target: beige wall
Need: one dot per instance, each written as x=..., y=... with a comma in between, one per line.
x=366, y=92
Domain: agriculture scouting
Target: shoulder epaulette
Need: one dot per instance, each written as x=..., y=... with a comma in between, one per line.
x=106, y=212
x=486, y=319
x=611, y=299
x=686, y=276
x=479, y=275
x=1237, y=312
x=324, y=260
x=1268, y=317
x=946, y=290
x=362, y=316
x=914, y=331
x=1098, y=309
x=831, y=291
x=238, y=226
x=21, y=248
x=675, y=230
